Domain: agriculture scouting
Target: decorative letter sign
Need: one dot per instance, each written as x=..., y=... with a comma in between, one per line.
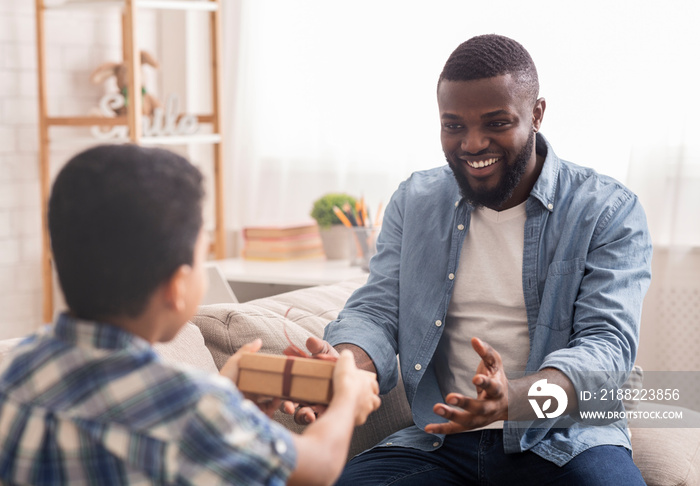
x=162, y=123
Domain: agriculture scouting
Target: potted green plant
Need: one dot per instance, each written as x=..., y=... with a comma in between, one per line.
x=334, y=234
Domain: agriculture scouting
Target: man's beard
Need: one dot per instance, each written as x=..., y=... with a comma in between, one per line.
x=495, y=197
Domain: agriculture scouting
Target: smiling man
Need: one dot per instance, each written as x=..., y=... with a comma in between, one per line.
x=508, y=276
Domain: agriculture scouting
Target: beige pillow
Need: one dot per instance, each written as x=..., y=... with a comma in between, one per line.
x=667, y=456
x=227, y=327
x=187, y=347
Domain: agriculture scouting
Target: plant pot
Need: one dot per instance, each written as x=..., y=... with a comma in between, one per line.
x=336, y=242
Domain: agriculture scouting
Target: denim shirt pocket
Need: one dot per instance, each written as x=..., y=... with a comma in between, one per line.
x=560, y=292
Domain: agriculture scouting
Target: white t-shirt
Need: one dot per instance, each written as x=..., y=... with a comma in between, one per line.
x=487, y=301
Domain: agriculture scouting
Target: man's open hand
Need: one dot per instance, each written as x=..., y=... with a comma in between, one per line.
x=491, y=403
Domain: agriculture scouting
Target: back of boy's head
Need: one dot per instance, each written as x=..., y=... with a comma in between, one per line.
x=122, y=220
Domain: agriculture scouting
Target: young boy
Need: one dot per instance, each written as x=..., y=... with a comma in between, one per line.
x=88, y=401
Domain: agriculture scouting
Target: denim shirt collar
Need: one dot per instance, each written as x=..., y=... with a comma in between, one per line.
x=545, y=189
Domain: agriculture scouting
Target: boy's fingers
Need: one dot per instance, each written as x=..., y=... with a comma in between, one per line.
x=230, y=368
x=251, y=347
x=347, y=357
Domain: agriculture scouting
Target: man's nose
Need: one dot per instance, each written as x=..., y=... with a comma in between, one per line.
x=474, y=142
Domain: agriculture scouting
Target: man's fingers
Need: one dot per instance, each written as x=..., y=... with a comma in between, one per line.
x=304, y=415
x=493, y=388
x=288, y=407
x=268, y=405
x=457, y=407
x=319, y=346
x=446, y=428
x=482, y=349
x=489, y=355
x=462, y=414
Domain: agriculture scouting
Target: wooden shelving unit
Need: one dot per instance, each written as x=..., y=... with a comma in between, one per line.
x=133, y=118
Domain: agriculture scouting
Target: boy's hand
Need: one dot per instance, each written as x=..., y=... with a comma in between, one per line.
x=306, y=415
x=268, y=405
x=358, y=386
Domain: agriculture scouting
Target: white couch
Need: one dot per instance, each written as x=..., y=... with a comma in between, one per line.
x=669, y=456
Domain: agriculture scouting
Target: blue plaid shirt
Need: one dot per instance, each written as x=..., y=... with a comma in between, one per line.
x=89, y=403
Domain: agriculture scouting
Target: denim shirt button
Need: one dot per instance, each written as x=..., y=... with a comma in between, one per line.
x=418, y=367
x=436, y=444
x=456, y=203
x=438, y=323
x=451, y=276
x=460, y=227
x=550, y=206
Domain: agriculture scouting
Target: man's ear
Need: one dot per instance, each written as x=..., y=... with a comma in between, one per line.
x=175, y=289
x=538, y=113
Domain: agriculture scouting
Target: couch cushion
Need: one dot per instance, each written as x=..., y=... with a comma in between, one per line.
x=227, y=327
x=667, y=456
x=187, y=347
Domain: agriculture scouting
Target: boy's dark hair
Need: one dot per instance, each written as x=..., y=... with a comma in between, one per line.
x=122, y=219
x=486, y=56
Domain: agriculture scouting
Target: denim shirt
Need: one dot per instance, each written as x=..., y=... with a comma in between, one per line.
x=586, y=269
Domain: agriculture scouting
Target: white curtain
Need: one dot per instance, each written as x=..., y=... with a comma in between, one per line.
x=340, y=96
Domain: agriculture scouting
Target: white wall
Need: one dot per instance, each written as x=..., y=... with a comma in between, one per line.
x=76, y=43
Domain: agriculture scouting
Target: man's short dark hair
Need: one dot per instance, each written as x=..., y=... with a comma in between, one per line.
x=491, y=55
x=122, y=220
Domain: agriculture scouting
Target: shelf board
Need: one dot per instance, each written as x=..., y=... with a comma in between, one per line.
x=203, y=5
x=210, y=138
x=87, y=121
x=181, y=139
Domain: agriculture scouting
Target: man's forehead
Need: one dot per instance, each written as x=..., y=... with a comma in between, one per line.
x=501, y=83
x=490, y=96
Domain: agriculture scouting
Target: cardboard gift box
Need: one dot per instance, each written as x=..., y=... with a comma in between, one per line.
x=293, y=378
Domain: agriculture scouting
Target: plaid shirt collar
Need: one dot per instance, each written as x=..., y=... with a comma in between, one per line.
x=100, y=335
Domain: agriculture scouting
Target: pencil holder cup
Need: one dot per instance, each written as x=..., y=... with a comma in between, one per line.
x=363, y=245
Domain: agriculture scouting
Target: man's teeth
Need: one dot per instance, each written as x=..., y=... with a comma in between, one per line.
x=482, y=163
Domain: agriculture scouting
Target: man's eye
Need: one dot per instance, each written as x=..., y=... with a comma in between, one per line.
x=453, y=126
x=498, y=124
